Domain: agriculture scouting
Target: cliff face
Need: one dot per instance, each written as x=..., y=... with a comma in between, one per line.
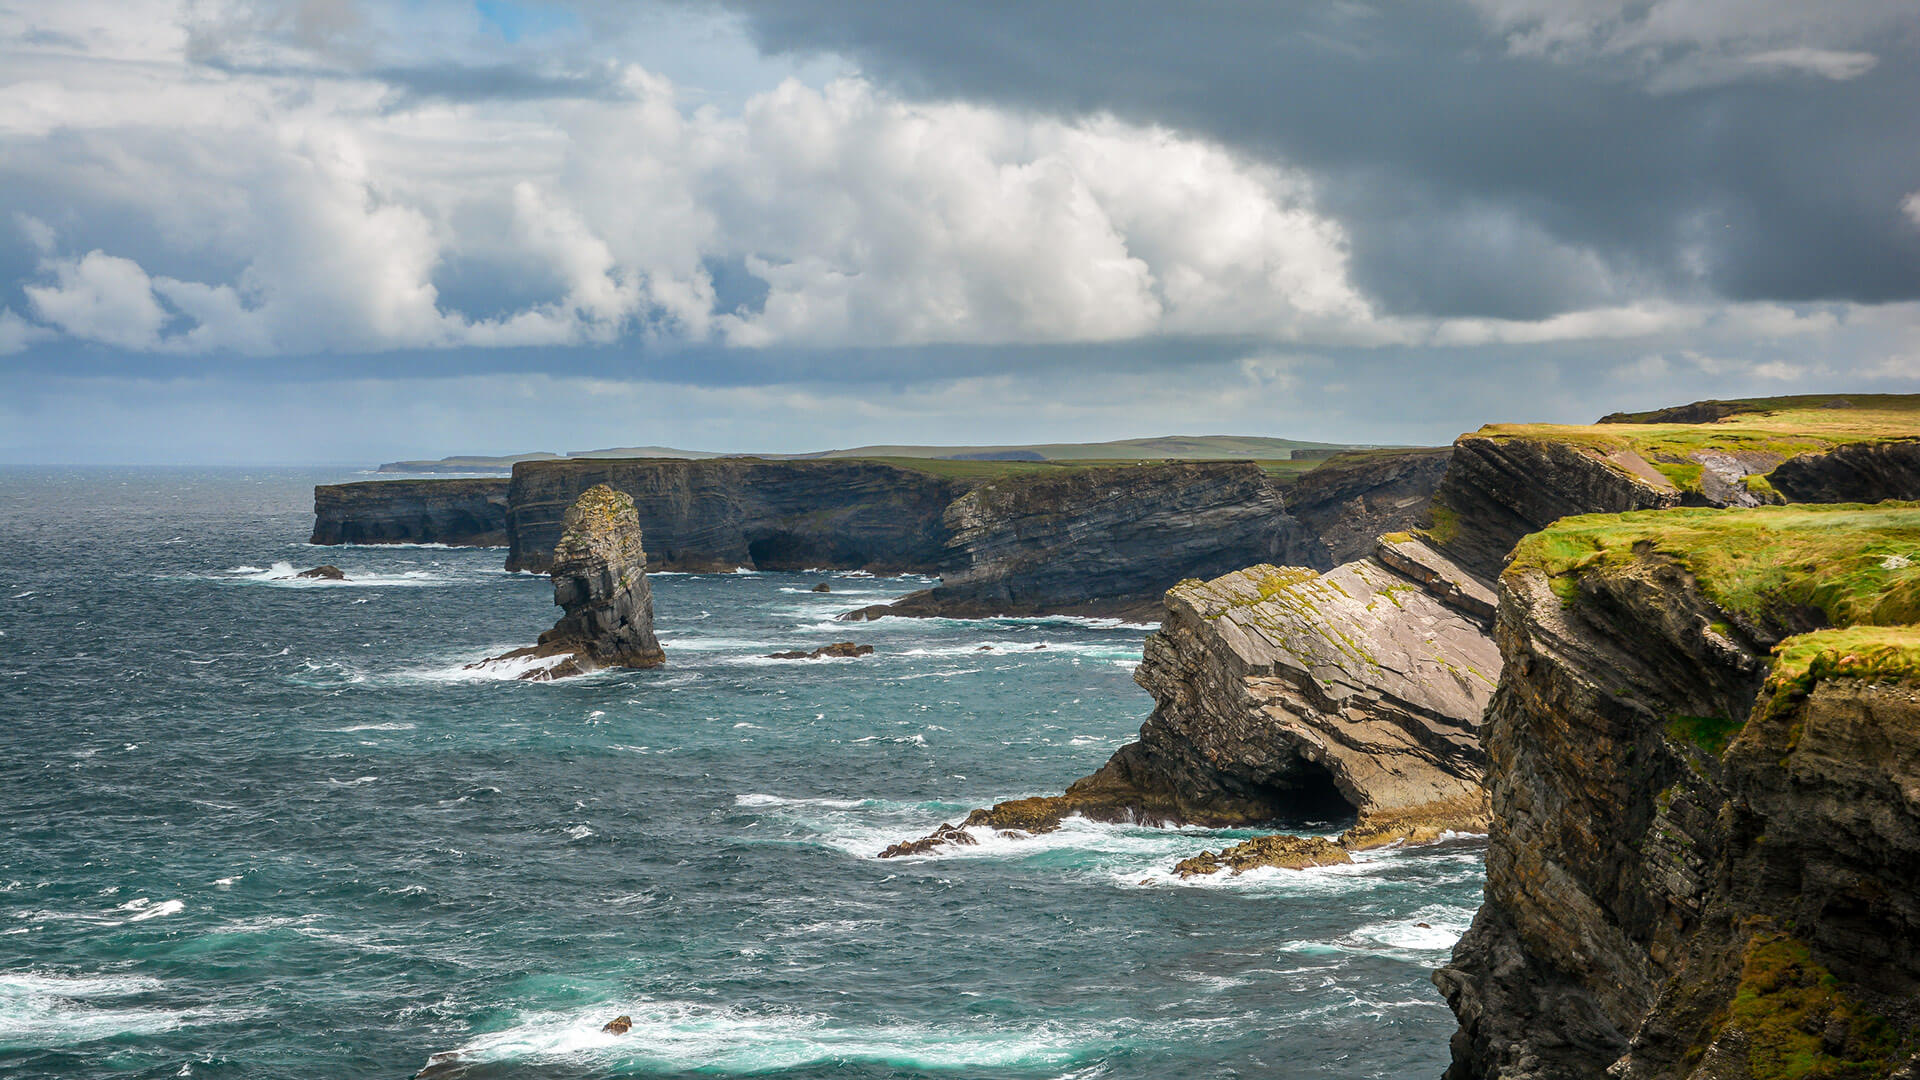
x=1706, y=837
x=1856, y=472
x=1282, y=693
x=600, y=582
x=1355, y=497
x=722, y=514
x=1103, y=541
x=462, y=513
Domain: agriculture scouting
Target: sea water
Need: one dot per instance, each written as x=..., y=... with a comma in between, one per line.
x=256, y=825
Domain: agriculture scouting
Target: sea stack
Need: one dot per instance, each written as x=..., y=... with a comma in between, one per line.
x=600, y=580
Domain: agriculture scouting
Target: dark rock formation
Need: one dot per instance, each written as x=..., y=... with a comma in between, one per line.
x=1856, y=472
x=1103, y=540
x=327, y=572
x=823, y=587
x=460, y=513
x=1705, y=857
x=1285, y=694
x=1027, y=539
x=1500, y=487
x=619, y=1025
x=1283, y=852
x=938, y=838
x=600, y=581
x=1355, y=497
x=770, y=515
x=840, y=649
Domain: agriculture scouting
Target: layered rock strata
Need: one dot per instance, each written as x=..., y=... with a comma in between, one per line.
x=459, y=513
x=1017, y=539
x=1224, y=744
x=600, y=582
x=1285, y=694
x=1103, y=540
x=1705, y=854
x=744, y=512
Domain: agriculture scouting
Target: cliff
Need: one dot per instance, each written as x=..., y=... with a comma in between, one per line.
x=600, y=582
x=1249, y=724
x=1704, y=766
x=1352, y=498
x=1102, y=540
x=732, y=512
x=462, y=513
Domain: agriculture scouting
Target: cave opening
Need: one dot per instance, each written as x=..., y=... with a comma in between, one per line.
x=1308, y=796
x=788, y=551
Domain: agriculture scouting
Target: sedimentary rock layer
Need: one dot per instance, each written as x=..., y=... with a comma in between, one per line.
x=462, y=513
x=1103, y=540
x=600, y=582
x=1705, y=856
x=734, y=512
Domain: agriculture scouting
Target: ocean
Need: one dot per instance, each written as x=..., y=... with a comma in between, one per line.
x=256, y=826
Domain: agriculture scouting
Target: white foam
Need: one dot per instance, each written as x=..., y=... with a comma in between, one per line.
x=392, y=725
x=146, y=910
x=507, y=669
x=284, y=575
x=671, y=1036
x=42, y=1011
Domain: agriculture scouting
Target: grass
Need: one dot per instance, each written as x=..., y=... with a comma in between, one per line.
x=1855, y=564
x=1778, y=428
x=1797, y=1020
x=1709, y=733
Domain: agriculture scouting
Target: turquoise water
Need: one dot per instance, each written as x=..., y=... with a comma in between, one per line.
x=261, y=827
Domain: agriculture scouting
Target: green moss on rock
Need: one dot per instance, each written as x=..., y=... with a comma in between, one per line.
x=1798, y=1022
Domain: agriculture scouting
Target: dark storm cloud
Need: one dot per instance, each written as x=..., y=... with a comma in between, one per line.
x=1463, y=172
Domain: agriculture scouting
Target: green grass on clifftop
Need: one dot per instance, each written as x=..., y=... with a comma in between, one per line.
x=1772, y=430
x=1857, y=565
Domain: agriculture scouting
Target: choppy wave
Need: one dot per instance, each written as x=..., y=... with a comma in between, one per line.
x=285, y=575
x=41, y=1011
x=673, y=1036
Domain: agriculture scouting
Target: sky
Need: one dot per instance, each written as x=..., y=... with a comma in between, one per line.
x=339, y=231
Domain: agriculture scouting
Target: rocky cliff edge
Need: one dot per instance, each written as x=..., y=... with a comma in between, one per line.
x=1704, y=765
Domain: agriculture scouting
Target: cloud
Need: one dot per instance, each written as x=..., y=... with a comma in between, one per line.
x=100, y=297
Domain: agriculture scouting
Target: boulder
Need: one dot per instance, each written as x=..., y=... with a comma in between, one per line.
x=328, y=572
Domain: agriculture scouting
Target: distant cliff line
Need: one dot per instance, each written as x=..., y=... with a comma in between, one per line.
x=1005, y=537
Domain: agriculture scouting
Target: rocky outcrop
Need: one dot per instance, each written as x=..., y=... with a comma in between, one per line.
x=600, y=581
x=1103, y=540
x=1245, y=732
x=326, y=572
x=1354, y=497
x=1856, y=472
x=1705, y=855
x=1499, y=487
x=1278, y=852
x=839, y=650
x=459, y=513
x=1286, y=694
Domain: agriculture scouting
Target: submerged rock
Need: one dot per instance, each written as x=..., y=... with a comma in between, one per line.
x=600, y=581
x=844, y=649
x=1283, y=851
x=328, y=572
x=945, y=834
x=619, y=1025
x=823, y=587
